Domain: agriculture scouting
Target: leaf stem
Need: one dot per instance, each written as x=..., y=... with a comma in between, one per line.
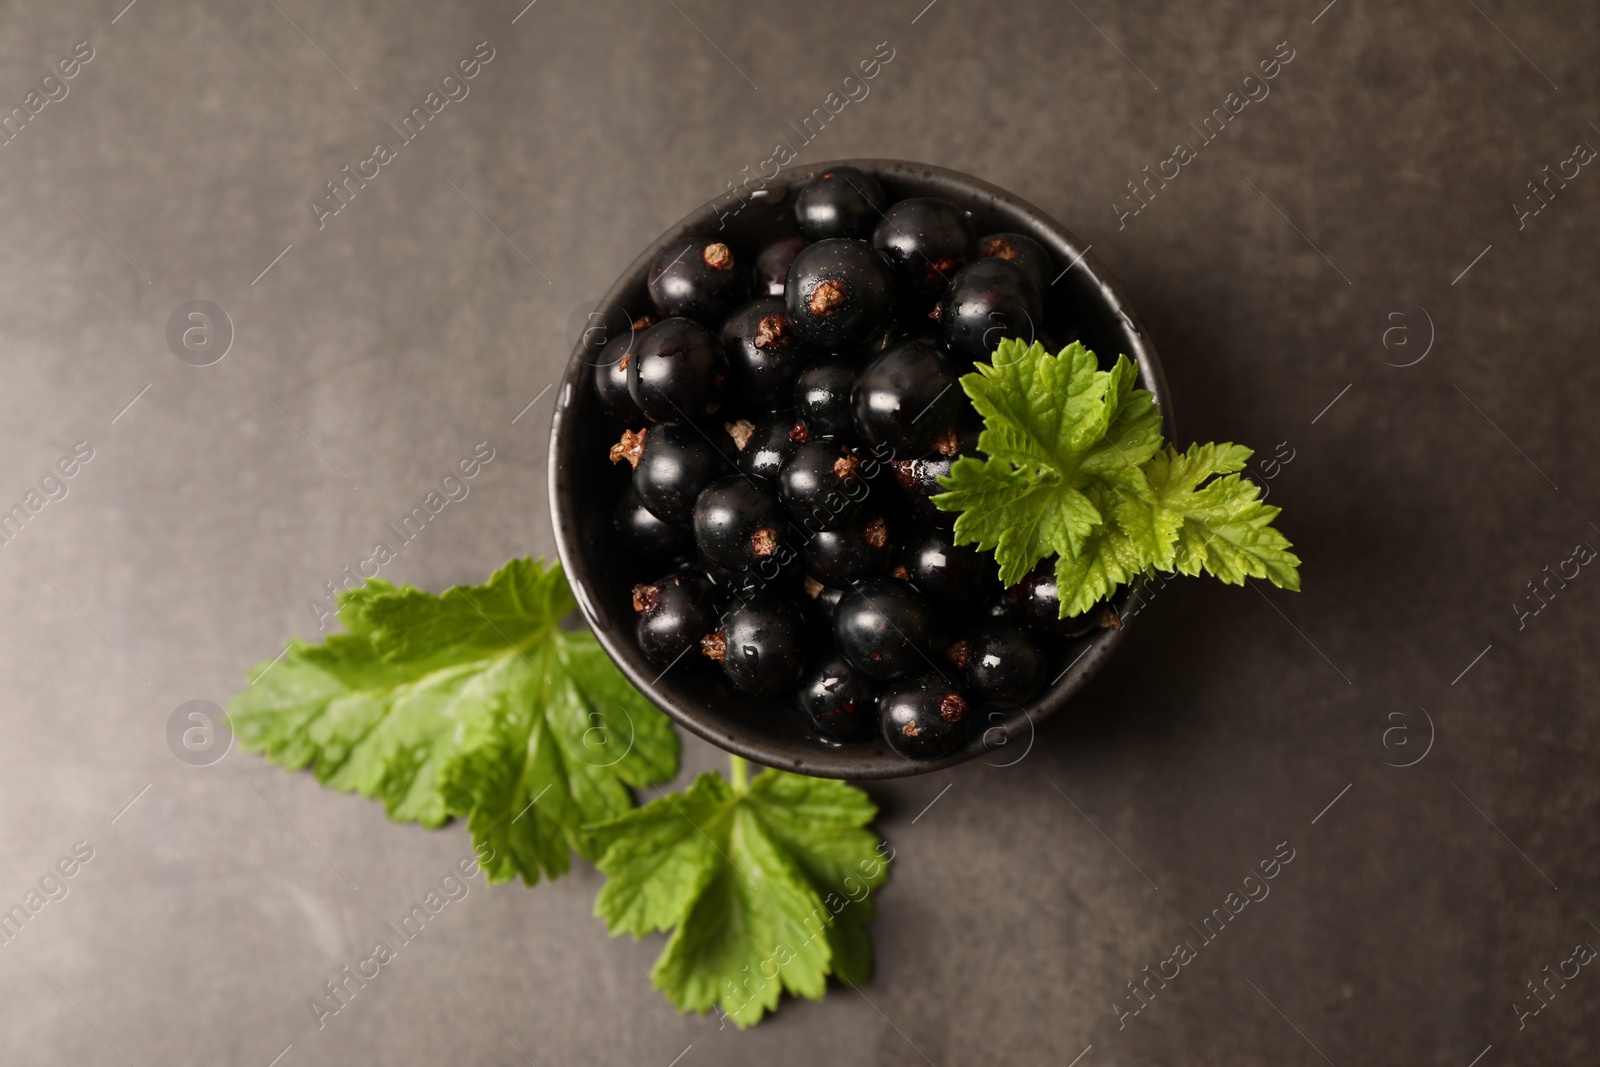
x=739, y=773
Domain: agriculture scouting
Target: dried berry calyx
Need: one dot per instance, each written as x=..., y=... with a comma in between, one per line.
x=630, y=447
x=740, y=432
x=826, y=298
x=773, y=331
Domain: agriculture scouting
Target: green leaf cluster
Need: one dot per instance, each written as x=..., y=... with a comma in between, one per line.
x=764, y=888
x=474, y=703
x=1075, y=468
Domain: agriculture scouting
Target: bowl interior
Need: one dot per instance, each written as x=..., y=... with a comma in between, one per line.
x=584, y=484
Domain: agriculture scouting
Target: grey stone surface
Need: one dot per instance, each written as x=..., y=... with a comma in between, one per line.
x=380, y=348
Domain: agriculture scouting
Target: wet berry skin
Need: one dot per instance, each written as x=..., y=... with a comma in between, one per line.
x=674, y=613
x=989, y=301
x=642, y=532
x=820, y=484
x=772, y=265
x=763, y=444
x=839, y=700
x=1038, y=596
x=764, y=356
x=923, y=717
x=822, y=399
x=763, y=645
x=881, y=626
x=927, y=240
x=952, y=576
x=907, y=398
x=859, y=548
x=697, y=279
x=918, y=481
x=611, y=378
x=842, y=202
x=839, y=294
x=677, y=371
x=1000, y=662
x=1025, y=252
x=672, y=462
x=737, y=523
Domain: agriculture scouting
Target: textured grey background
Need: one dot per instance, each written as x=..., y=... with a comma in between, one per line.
x=408, y=329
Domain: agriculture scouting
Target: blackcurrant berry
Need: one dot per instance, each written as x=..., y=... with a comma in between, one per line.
x=918, y=480
x=923, y=717
x=772, y=265
x=822, y=399
x=989, y=301
x=642, y=532
x=907, y=398
x=951, y=575
x=737, y=523
x=697, y=279
x=820, y=484
x=860, y=548
x=927, y=240
x=881, y=626
x=1024, y=251
x=839, y=294
x=611, y=378
x=671, y=463
x=1000, y=662
x=677, y=371
x=674, y=614
x=763, y=645
x=1039, y=597
x=764, y=357
x=763, y=445
x=842, y=202
x=838, y=699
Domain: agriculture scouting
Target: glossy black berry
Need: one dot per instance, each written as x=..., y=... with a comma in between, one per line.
x=924, y=717
x=839, y=700
x=1038, y=596
x=842, y=202
x=1024, y=251
x=611, y=378
x=1000, y=662
x=761, y=445
x=989, y=301
x=927, y=240
x=737, y=523
x=839, y=294
x=881, y=626
x=764, y=356
x=677, y=371
x=772, y=265
x=952, y=576
x=673, y=615
x=698, y=279
x=861, y=547
x=918, y=481
x=645, y=534
x=671, y=463
x=820, y=484
x=762, y=645
x=822, y=399
x=907, y=398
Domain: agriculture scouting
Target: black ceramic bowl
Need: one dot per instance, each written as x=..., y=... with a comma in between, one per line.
x=584, y=485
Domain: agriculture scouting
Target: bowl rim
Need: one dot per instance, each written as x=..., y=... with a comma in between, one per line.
x=837, y=762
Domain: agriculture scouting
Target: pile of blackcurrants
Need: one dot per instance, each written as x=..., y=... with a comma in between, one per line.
x=787, y=422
